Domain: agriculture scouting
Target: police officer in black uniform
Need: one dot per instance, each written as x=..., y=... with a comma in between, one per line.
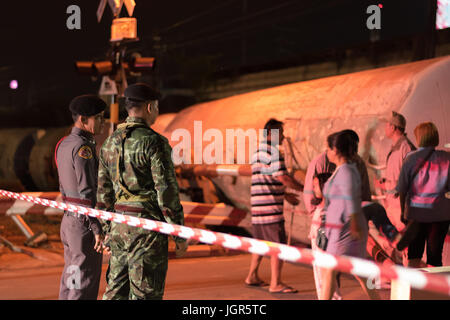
x=81, y=235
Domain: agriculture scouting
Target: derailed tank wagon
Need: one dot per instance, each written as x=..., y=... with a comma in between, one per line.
x=311, y=110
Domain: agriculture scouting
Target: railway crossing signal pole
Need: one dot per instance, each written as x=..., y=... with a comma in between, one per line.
x=115, y=68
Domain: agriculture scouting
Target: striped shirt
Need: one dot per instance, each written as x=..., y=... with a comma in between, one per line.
x=267, y=192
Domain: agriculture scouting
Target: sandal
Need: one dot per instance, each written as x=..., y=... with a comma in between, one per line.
x=286, y=289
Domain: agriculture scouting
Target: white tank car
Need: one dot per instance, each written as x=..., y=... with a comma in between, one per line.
x=311, y=110
x=27, y=161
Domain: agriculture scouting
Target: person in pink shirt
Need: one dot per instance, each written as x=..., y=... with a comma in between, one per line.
x=320, y=164
x=423, y=183
x=401, y=146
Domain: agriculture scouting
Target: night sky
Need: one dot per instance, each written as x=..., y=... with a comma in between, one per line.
x=197, y=38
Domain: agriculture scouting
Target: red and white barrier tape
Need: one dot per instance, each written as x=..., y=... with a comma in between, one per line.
x=215, y=214
x=194, y=212
x=359, y=267
x=13, y=207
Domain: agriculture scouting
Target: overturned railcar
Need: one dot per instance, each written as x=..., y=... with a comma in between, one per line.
x=27, y=160
x=311, y=110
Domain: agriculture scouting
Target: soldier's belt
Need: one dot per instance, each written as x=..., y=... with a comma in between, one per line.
x=124, y=208
x=74, y=214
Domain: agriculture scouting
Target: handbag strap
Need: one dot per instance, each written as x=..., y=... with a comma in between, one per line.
x=323, y=219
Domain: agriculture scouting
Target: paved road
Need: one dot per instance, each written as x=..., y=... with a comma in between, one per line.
x=203, y=278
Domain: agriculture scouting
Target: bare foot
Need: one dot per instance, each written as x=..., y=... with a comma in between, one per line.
x=254, y=281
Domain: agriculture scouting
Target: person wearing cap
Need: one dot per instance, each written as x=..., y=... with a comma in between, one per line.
x=81, y=235
x=401, y=146
x=137, y=178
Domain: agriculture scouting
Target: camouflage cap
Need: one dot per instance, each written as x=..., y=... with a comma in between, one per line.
x=141, y=92
x=87, y=105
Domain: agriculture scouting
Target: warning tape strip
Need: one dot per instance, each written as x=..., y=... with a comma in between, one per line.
x=194, y=212
x=356, y=266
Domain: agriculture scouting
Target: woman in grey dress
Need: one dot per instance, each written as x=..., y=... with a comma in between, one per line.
x=346, y=226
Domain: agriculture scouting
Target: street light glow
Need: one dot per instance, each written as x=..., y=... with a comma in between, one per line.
x=13, y=84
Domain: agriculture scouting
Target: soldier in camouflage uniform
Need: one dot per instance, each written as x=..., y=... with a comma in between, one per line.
x=136, y=177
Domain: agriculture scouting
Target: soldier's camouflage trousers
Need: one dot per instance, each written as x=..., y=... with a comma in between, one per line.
x=138, y=264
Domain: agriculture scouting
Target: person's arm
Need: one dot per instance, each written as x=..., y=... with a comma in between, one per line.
x=403, y=217
x=381, y=182
x=290, y=182
x=403, y=184
x=86, y=172
x=448, y=179
x=166, y=184
x=277, y=169
x=405, y=149
x=105, y=191
x=447, y=193
x=351, y=193
x=308, y=191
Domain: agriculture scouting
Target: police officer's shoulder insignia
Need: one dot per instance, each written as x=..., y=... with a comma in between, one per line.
x=85, y=152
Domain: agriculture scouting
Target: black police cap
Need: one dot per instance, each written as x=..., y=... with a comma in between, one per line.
x=141, y=92
x=87, y=105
